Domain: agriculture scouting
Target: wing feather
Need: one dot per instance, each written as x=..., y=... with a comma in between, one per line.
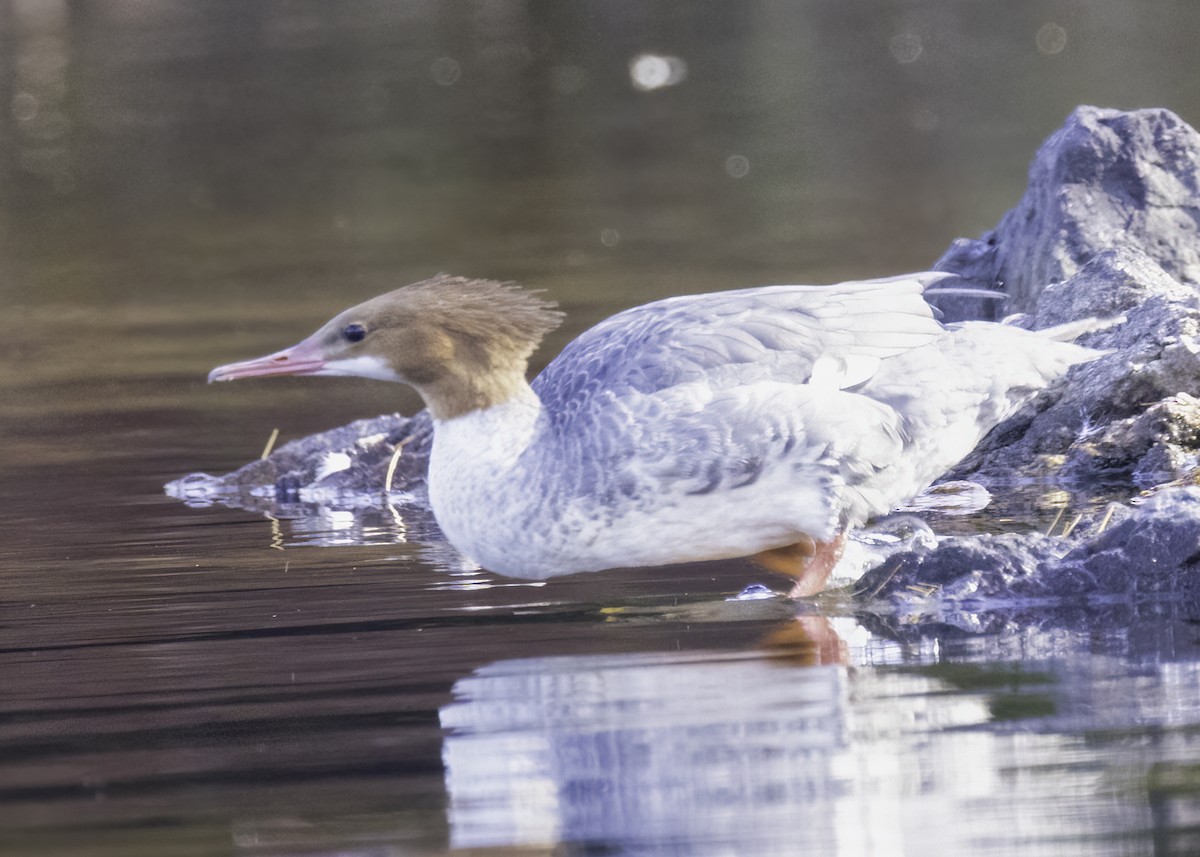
x=775, y=333
x=695, y=394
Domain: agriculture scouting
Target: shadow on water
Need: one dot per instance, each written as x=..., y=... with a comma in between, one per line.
x=182, y=184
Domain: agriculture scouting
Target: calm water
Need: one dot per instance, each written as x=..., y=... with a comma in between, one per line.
x=183, y=184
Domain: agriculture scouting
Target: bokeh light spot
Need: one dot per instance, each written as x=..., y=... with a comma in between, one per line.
x=445, y=71
x=737, y=166
x=654, y=71
x=906, y=47
x=1051, y=39
x=25, y=106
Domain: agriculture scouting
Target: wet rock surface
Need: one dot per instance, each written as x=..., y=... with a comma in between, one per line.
x=1138, y=549
x=1108, y=227
x=1142, y=553
x=358, y=474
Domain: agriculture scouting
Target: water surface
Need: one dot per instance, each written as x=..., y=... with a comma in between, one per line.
x=184, y=184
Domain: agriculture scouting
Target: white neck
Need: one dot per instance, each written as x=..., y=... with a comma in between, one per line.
x=498, y=433
x=473, y=467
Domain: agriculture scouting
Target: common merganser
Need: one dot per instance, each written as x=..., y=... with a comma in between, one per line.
x=762, y=422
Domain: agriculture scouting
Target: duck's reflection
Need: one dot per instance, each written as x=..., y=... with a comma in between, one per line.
x=741, y=751
x=812, y=745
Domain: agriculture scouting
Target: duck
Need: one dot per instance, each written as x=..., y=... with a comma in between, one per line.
x=764, y=422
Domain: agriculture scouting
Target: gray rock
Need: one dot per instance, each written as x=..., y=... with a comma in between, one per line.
x=1153, y=550
x=1108, y=227
x=341, y=470
x=1106, y=179
x=1126, y=416
x=1128, y=553
x=965, y=568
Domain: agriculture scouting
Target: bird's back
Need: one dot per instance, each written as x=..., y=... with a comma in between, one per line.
x=781, y=333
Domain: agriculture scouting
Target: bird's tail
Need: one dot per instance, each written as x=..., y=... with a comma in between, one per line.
x=1072, y=330
x=1065, y=335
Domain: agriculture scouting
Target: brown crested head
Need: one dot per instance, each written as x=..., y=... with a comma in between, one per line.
x=464, y=344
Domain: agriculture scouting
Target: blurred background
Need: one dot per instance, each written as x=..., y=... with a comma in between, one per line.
x=185, y=183
x=151, y=147
x=245, y=167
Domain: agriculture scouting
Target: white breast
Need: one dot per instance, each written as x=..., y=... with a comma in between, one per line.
x=475, y=484
x=504, y=495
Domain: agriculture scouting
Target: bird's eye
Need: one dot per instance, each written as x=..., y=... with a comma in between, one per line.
x=354, y=332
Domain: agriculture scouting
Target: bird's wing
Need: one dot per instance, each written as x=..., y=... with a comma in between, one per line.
x=714, y=392
x=801, y=454
x=830, y=336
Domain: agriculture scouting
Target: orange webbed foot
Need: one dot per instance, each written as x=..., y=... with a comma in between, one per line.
x=808, y=561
